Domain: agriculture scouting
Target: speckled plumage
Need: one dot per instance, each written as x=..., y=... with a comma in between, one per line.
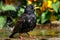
x=26, y=22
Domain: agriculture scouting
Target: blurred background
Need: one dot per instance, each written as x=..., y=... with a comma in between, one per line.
x=47, y=12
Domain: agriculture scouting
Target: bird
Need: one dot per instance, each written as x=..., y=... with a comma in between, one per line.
x=26, y=22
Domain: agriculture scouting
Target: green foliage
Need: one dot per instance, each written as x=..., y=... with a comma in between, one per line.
x=41, y=19
x=8, y=7
x=44, y=17
x=2, y=21
x=58, y=17
x=0, y=5
x=55, y=6
x=20, y=11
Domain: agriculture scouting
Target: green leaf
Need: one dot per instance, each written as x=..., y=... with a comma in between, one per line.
x=20, y=11
x=43, y=17
x=1, y=5
x=55, y=6
x=38, y=21
x=58, y=17
x=8, y=7
x=2, y=21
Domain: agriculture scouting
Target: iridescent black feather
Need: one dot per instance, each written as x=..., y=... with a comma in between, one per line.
x=26, y=22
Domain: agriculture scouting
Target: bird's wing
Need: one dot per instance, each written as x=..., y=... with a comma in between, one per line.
x=21, y=19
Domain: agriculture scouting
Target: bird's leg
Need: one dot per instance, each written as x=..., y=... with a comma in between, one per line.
x=31, y=36
x=21, y=37
x=11, y=36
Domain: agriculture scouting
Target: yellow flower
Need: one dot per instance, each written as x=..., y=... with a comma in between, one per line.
x=49, y=4
x=29, y=2
x=54, y=1
x=44, y=6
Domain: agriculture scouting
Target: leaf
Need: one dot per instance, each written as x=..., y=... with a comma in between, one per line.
x=38, y=21
x=1, y=5
x=55, y=6
x=8, y=7
x=20, y=11
x=58, y=17
x=43, y=17
x=2, y=21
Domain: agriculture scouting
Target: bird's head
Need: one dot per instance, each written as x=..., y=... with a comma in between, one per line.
x=30, y=6
x=29, y=9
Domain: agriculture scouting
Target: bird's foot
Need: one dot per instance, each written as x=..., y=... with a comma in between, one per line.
x=21, y=38
x=32, y=37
